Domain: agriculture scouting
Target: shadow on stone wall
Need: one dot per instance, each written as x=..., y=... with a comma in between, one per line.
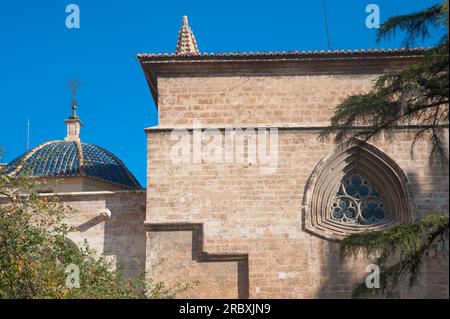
x=199, y=255
x=337, y=278
x=90, y=223
x=124, y=235
x=431, y=197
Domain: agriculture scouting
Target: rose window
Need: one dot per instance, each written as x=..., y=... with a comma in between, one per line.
x=357, y=202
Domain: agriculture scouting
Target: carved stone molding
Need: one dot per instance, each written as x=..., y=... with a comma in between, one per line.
x=368, y=161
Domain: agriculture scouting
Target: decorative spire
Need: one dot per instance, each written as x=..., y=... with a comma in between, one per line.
x=186, y=44
x=73, y=122
x=74, y=85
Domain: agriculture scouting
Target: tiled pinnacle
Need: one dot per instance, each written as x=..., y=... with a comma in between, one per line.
x=186, y=44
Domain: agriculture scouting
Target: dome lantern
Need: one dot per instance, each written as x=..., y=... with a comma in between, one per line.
x=73, y=122
x=77, y=165
x=73, y=130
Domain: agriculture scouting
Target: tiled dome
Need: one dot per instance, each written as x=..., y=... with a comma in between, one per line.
x=72, y=159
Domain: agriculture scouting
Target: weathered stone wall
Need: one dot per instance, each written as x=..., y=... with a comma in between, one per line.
x=247, y=212
x=174, y=263
x=255, y=100
x=120, y=238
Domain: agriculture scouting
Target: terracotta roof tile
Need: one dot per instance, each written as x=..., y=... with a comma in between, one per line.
x=278, y=54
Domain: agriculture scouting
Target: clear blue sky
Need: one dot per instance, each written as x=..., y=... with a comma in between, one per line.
x=39, y=56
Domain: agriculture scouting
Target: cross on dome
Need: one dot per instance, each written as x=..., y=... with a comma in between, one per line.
x=73, y=122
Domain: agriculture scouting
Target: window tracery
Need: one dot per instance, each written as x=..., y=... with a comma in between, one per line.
x=357, y=202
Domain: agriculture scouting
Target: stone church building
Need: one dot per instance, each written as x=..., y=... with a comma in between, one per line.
x=238, y=230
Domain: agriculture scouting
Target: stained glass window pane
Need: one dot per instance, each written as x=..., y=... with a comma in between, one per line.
x=357, y=202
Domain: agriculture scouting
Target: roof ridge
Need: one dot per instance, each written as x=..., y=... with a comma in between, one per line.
x=289, y=53
x=81, y=158
x=28, y=154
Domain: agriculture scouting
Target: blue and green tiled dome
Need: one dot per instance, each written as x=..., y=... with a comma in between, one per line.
x=63, y=159
x=72, y=158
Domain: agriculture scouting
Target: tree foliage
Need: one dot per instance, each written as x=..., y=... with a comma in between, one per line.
x=416, y=25
x=417, y=95
x=408, y=243
x=35, y=253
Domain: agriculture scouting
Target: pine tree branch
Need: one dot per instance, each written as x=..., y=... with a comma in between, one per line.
x=411, y=242
x=415, y=25
x=417, y=95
